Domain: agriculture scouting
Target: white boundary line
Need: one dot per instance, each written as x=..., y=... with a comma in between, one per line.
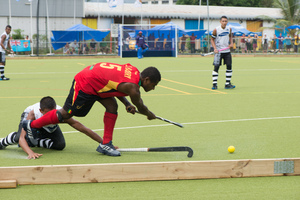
x=204, y=70
x=205, y=122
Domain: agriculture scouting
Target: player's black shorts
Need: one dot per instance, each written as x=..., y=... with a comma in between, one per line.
x=226, y=57
x=2, y=57
x=79, y=103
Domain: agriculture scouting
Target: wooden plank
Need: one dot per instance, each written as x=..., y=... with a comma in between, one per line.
x=54, y=174
x=8, y=184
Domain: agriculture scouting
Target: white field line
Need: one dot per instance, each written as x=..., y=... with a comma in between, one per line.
x=205, y=122
x=165, y=71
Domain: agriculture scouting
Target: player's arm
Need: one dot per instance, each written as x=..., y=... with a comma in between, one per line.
x=26, y=148
x=80, y=127
x=212, y=40
x=129, y=107
x=230, y=39
x=23, y=143
x=8, y=45
x=135, y=96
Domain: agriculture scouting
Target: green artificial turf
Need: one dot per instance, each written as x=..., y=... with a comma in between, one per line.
x=260, y=117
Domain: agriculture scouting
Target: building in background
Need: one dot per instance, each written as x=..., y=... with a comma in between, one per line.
x=62, y=15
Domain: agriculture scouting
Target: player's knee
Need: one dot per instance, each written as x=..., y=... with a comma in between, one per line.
x=112, y=109
x=216, y=69
x=59, y=146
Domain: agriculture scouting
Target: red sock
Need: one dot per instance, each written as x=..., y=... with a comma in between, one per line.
x=49, y=118
x=109, y=125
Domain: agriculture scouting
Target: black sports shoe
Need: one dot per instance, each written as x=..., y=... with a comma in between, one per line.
x=108, y=149
x=4, y=79
x=229, y=86
x=30, y=132
x=214, y=87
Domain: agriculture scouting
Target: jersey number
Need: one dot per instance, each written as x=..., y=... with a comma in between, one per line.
x=110, y=66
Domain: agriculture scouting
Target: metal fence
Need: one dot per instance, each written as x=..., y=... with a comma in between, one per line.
x=187, y=47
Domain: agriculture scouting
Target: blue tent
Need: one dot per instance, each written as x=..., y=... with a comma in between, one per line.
x=168, y=29
x=294, y=27
x=238, y=30
x=77, y=32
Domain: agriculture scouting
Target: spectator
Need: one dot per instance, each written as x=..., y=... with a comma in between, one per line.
x=27, y=38
x=296, y=42
x=93, y=46
x=288, y=43
x=248, y=44
x=151, y=41
x=274, y=43
x=168, y=43
x=234, y=46
x=204, y=44
x=265, y=42
x=193, y=44
x=126, y=40
x=280, y=42
x=66, y=49
x=103, y=47
x=83, y=48
x=254, y=44
x=183, y=40
x=160, y=43
x=243, y=43
x=126, y=43
x=74, y=47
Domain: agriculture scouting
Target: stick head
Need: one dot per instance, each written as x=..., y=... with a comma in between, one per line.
x=191, y=152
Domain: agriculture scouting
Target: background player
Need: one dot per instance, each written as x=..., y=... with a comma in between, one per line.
x=102, y=82
x=4, y=43
x=141, y=45
x=222, y=38
x=49, y=136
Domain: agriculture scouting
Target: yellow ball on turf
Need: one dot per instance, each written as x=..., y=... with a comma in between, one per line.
x=231, y=149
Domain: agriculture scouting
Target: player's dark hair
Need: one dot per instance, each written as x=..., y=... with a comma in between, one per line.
x=8, y=26
x=223, y=17
x=152, y=73
x=47, y=103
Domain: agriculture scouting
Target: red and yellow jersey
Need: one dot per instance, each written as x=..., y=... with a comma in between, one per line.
x=102, y=79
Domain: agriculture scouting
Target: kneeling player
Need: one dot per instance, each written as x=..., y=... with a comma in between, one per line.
x=49, y=136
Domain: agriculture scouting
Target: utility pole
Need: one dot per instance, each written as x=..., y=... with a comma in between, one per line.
x=37, y=27
x=208, y=42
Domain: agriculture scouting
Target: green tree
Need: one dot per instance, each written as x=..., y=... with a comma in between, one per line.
x=266, y=3
x=17, y=34
x=290, y=10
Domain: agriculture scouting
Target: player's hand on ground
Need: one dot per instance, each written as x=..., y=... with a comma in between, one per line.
x=131, y=109
x=151, y=115
x=34, y=156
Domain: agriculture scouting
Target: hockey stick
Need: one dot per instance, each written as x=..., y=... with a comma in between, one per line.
x=214, y=52
x=166, y=120
x=160, y=149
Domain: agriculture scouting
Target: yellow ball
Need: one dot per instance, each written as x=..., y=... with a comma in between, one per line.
x=231, y=149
